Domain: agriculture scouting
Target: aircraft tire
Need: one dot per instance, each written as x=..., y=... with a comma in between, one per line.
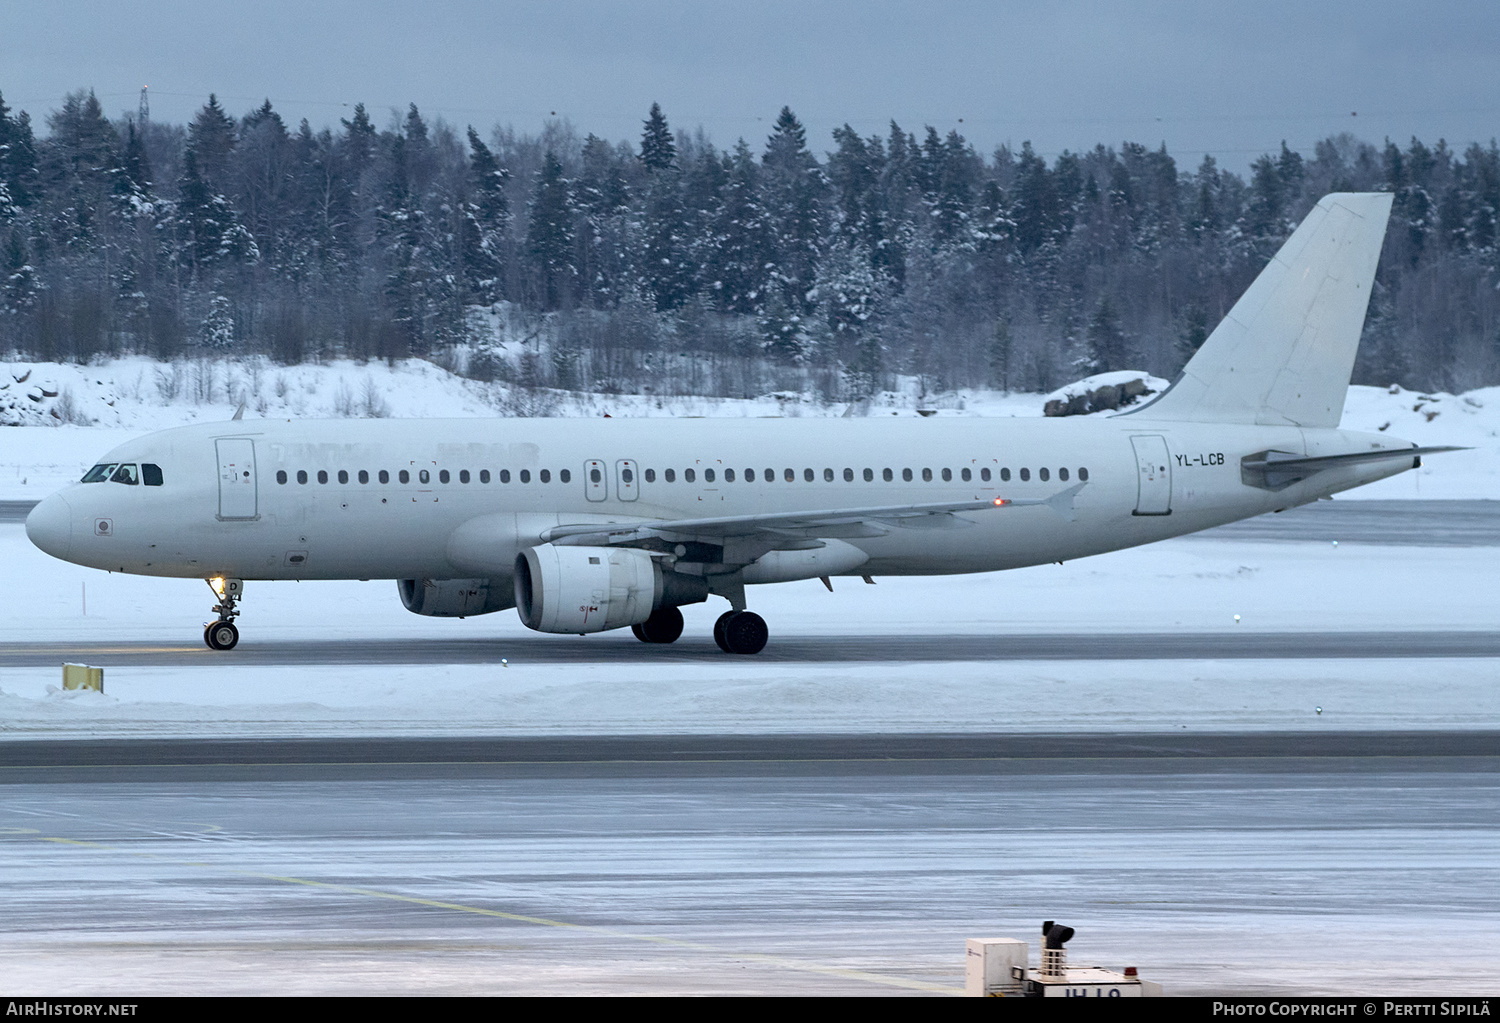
x=639, y=633
x=719, y=627
x=745, y=633
x=221, y=635
x=664, y=626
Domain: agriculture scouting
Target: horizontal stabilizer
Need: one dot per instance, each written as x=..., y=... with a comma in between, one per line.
x=1277, y=470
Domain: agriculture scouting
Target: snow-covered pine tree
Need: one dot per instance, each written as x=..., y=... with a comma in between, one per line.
x=1106, y=345
x=212, y=137
x=658, y=148
x=217, y=330
x=794, y=190
x=486, y=224
x=735, y=273
x=549, y=237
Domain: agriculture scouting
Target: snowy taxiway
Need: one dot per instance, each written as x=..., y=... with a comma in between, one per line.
x=724, y=865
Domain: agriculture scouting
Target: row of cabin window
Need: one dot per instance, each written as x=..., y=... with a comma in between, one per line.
x=688, y=475
x=423, y=476
x=888, y=475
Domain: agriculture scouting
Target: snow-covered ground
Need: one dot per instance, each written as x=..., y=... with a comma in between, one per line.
x=102, y=405
x=1182, y=585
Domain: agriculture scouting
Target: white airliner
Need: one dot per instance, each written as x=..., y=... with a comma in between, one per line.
x=588, y=525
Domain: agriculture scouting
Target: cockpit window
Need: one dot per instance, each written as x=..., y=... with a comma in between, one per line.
x=150, y=474
x=125, y=474
x=99, y=473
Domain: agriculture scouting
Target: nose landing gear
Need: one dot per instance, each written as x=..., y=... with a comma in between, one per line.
x=222, y=634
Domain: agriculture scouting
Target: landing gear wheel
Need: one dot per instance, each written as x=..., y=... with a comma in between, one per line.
x=744, y=633
x=719, y=630
x=664, y=626
x=221, y=635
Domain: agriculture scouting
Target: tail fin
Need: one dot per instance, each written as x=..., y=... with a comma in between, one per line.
x=1284, y=353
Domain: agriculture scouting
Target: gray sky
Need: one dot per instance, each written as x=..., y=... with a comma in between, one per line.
x=1230, y=79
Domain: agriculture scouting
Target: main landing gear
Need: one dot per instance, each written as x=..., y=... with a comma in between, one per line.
x=741, y=632
x=736, y=632
x=664, y=626
x=222, y=634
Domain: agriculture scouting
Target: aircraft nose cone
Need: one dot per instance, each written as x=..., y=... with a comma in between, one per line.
x=50, y=526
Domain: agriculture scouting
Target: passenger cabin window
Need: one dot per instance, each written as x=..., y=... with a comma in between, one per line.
x=385, y=476
x=1005, y=475
x=906, y=475
x=790, y=475
x=125, y=474
x=1025, y=475
x=770, y=475
x=463, y=475
x=885, y=474
x=343, y=475
x=484, y=475
x=688, y=476
x=964, y=474
x=525, y=475
x=403, y=476
x=423, y=476
x=708, y=475
x=984, y=474
x=670, y=475
x=869, y=475
x=99, y=473
x=443, y=476
x=566, y=476
x=625, y=474
x=947, y=475
x=546, y=476
x=301, y=475
x=150, y=474
x=749, y=475
x=808, y=475
x=1042, y=474
x=322, y=475
x=504, y=475
x=728, y=476
x=280, y=475
x=1083, y=475
x=1062, y=474
x=926, y=475
x=364, y=475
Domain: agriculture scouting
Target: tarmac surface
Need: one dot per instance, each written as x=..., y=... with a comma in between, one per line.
x=1231, y=864
x=1108, y=646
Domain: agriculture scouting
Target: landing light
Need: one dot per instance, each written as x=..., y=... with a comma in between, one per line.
x=1000, y=501
x=218, y=585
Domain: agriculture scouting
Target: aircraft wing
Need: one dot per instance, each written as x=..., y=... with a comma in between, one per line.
x=876, y=520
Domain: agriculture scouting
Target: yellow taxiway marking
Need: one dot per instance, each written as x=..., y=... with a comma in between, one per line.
x=541, y=921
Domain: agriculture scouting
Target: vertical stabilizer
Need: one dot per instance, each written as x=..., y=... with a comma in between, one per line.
x=1284, y=354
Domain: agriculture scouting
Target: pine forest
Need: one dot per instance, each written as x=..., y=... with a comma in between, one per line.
x=667, y=265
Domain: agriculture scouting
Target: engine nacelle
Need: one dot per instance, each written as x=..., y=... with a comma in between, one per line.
x=591, y=589
x=455, y=598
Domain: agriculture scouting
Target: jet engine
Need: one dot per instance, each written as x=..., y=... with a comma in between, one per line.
x=455, y=598
x=591, y=589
